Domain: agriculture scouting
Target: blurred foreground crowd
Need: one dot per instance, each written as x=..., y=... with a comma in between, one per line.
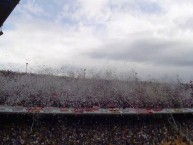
x=186, y=126
x=31, y=90
x=88, y=130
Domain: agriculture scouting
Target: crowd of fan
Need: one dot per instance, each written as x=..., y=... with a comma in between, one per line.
x=86, y=130
x=31, y=90
x=186, y=126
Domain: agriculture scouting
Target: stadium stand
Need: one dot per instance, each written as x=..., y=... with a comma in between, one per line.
x=29, y=105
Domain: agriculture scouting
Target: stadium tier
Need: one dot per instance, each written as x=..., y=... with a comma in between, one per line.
x=40, y=91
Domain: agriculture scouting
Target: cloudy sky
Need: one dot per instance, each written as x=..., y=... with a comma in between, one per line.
x=153, y=37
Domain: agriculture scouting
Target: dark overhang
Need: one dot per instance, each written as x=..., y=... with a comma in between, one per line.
x=6, y=7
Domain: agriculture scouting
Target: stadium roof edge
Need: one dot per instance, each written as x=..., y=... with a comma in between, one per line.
x=6, y=7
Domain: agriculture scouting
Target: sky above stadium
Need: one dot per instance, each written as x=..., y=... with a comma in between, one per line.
x=153, y=37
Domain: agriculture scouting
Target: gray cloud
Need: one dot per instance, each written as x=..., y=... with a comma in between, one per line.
x=150, y=51
x=185, y=23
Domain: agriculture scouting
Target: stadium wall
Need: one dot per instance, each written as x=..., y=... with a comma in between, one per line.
x=99, y=111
